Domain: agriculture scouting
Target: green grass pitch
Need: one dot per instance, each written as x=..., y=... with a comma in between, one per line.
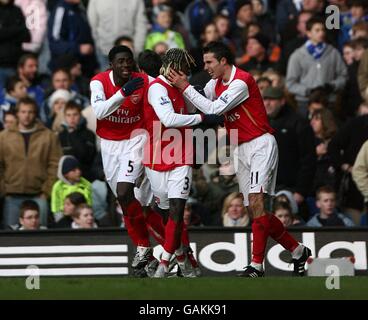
x=215, y=288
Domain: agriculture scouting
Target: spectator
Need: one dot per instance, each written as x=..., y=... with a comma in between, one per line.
x=29, y=217
x=343, y=149
x=70, y=180
x=69, y=33
x=315, y=65
x=351, y=95
x=264, y=19
x=324, y=128
x=356, y=14
x=125, y=41
x=210, y=33
x=10, y=120
x=28, y=72
x=35, y=13
x=160, y=48
x=14, y=90
x=234, y=214
x=57, y=101
x=256, y=49
x=78, y=82
x=317, y=101
x=13, y=32
x=286, y=11
x=287, y=198
x=72, y=200
x=195, y=214
x=328, y=216
x=197, y=14
x=348, y=53
x=61, y=79
x=276, y=78
x=83, y=217
x=78, y=141
x=29, y=154
x=294, y=136
x=106, y=27
x=244, y=16
x=223, y=26
x=295, y=42
x=282, y=211
x=263, y=83
x=360, y=172
x=162, y=29
x=210, y=196
x=363, y=76
x=360, y=31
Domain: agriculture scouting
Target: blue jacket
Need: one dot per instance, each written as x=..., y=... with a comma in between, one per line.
x=68, y=28
x=314, y=222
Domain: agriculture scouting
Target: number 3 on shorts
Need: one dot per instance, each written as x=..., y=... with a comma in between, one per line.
x=186, y=184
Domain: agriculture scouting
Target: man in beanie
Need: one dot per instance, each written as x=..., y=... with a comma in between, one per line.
x=256, y=49
x=244, y=15
x=70, y=180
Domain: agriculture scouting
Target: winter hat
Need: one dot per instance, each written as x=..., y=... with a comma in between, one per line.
x=288, y=194
x=262, y=39
x=70, y=163
x=60, y=94
x=160, y=8
x=239, y=4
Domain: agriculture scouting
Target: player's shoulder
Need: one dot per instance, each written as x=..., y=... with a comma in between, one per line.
x=244, y=76
x=102, y=76
x=141, y=75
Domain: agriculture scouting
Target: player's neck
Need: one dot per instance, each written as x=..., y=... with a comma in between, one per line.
x=227, y=73
x=119, y=82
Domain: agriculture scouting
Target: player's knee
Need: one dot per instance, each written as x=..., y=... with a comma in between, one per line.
x=125, y=194
x=256, y=204
x=177, y=209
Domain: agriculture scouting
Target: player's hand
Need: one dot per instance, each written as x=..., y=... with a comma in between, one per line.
x=213, y=120
x=132, y=85
x=178, y=80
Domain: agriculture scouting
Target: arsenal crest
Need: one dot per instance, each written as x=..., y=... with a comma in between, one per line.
x=135, y=98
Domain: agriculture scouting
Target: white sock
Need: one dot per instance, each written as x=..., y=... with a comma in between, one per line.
x=166, y=256
x=257, y=266
x=298, y=251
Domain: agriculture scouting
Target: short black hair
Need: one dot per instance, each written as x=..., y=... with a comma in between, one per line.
x=150, y=62
x=72, y=105
x=27, y=101
x=358, y=3
x=23, y=59
x=62, y=69
x=28, y=205
x=76, y=198
x=123, y=38
x=314, y=20
x=220, y=50
x=264, y=79
x=119, y=49
x=11, y=83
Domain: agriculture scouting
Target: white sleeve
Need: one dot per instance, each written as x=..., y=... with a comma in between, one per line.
x=100, y=105
x=158, y=98
x=229, y=99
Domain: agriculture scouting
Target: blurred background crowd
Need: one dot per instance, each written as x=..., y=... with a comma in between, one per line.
x=314, y=81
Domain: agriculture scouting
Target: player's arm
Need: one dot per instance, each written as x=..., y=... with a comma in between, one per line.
x=236, y=93
x=161, y=103
x=100, y=105
x=103, y=107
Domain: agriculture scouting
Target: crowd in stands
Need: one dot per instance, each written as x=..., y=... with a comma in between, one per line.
x=313, y=79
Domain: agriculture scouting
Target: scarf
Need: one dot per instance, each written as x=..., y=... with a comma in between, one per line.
x=316, y=51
